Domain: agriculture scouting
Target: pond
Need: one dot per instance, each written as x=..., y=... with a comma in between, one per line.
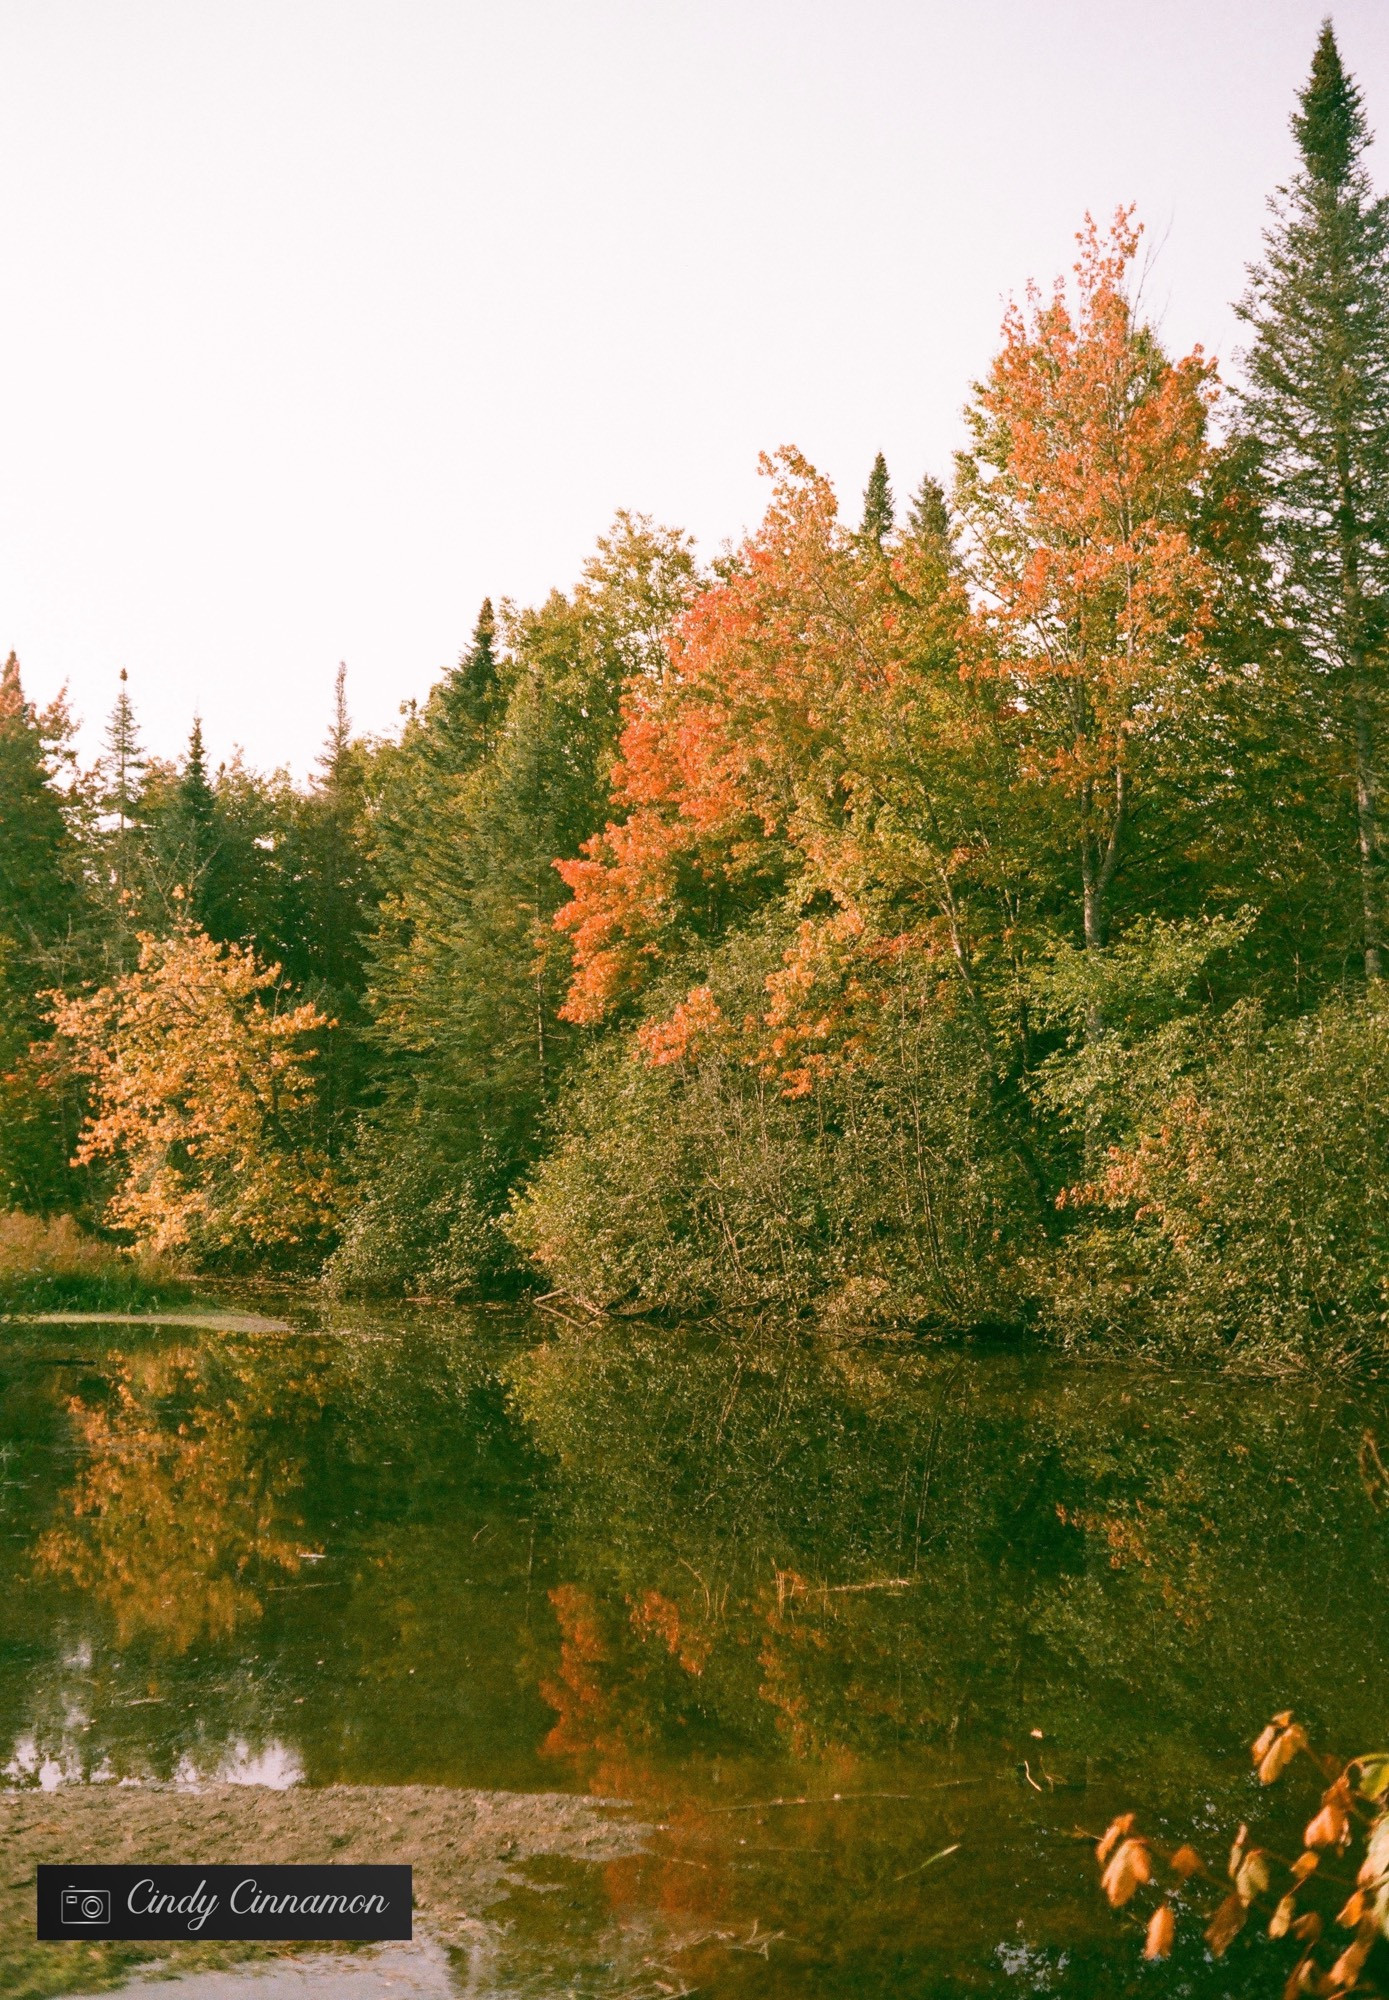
x=674, y=1662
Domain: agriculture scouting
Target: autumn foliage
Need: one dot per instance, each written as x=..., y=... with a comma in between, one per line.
x=202, y=1095
x=1337, y=1883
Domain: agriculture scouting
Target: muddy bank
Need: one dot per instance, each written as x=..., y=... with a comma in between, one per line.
x=468, y=1848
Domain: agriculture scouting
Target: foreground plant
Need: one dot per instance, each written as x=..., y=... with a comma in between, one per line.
x=1338, y=1883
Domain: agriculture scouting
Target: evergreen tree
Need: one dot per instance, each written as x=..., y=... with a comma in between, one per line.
x=124, y=761
x=39, y=910
x=1317, y=405
x=877, y=504
x=469, y=700
x=36, y=867
x=468, y=969
x=195, y=793
x=330, y=899
x=928, y=517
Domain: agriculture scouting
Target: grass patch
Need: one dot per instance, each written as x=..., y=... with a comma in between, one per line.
x=52, y=1266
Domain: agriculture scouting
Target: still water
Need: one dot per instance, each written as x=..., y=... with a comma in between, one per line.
x=858, y=1640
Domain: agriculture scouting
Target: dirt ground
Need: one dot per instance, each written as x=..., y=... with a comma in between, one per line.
x=467, y=1850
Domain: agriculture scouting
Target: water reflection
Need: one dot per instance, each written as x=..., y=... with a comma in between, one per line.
x=867, y=1633
x=185, y=1497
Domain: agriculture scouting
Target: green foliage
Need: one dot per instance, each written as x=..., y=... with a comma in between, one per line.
x=1233, y=1189
x=888, y=1192
x=877, y=505
x=1316, y=408
x=41, y=908
x=504, y=769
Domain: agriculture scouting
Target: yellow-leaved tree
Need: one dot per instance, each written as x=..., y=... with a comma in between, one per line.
x=202, y=1102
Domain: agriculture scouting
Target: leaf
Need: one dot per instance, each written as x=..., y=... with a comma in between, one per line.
x=1237, y=1852
x=1351, y=1963
x=1331, y=1826
x=1302, y=1979
x=1162, y=1929
x=1307, y=1928
x=1373, y=1781
x=1354, y=1909
x=1264, y=1742
x=1185, y=1863
x=1129, y=1867
x=1226, y=1925
x=1252, y=1878
x=1270, y=1735
x=1281, y=1753
x=1112, y=1834
x=1280, y=1923
x=1306, y=1864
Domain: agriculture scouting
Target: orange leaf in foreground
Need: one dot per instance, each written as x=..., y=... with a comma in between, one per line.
x=1186, y=1862
x=1112, y=1835
x=1226, y=1925
x=1280, y=1753
x=1129, y=1867
x=1280, y=1923
x=1351, y=1963
x=1162, y=1929
x=1330, y=1828
x=1251, y=1878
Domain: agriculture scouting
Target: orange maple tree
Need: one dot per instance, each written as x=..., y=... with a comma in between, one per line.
x=202, y=1100
x=1092, y=599
x=794, y=745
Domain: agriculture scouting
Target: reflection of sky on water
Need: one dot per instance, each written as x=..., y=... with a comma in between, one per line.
x=46, y=1766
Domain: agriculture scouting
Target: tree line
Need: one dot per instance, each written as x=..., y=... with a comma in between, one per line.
x=969, y=914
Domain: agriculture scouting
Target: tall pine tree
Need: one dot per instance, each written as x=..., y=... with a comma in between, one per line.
x=1317, y=406
x=40, y=898
x=877, y=504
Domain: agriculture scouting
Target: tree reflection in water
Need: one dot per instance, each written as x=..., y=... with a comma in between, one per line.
x=866, y=1631
x=187, y=1494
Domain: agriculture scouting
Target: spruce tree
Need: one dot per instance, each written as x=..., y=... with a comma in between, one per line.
x=877, y=505
x=124, y=761
x=928, y=517
x=469, y=700
x=36, y=873
x=1317, y=406
x=39, y=913
x=195, y=793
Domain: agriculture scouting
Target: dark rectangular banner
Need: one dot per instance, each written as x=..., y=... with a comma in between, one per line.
x=308, y=1902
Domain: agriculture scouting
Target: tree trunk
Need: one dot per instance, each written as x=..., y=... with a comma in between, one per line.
x=1362, y=732
x=1097, y=870
x=1367, y=828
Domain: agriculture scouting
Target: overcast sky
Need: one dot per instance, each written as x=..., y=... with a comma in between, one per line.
x=322, y=320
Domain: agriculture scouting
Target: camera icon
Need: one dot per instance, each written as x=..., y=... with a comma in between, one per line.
x=84, y=1906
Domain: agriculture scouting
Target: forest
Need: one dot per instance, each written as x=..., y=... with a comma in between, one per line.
x=964, y=914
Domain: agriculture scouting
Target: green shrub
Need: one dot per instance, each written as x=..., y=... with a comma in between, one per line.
x=420, y=1229
x=1235, y=1196
x=886, y=1194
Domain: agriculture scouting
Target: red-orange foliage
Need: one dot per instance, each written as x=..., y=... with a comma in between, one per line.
x=799, y=690
x=1088, y=443
x=710, y=752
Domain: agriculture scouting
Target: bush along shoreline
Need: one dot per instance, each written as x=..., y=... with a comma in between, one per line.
x=965, y=914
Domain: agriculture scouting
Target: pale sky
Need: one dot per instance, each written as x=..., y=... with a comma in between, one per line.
x=324, y=319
